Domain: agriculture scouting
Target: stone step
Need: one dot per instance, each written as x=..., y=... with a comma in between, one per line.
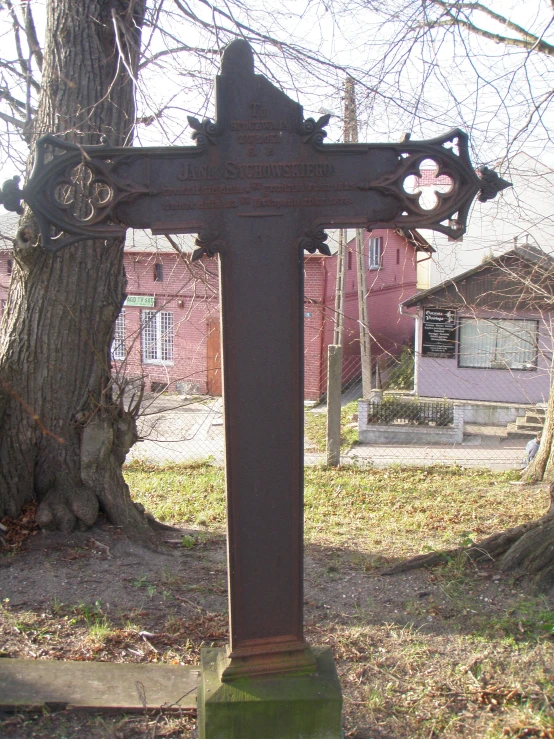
x=523, y=422
x=518, y=432
x=95, y=685
x=533, y=418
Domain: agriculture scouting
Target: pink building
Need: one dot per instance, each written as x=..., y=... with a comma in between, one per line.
x=168, y=330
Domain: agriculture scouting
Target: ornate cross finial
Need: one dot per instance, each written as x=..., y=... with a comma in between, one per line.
x=491, y=185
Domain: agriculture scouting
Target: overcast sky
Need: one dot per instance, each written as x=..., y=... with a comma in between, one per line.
x=357, y=38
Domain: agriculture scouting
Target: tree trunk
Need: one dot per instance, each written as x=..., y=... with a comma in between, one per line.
x=64, y=432
x=541, y=468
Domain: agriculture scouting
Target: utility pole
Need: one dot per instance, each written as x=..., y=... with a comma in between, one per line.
x=334, y=359
x=334, y=351
x=363, y=316
x=351, y=122
x=340, y=290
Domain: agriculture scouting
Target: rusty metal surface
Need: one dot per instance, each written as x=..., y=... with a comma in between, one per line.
x=258, y=187
x=253, y=165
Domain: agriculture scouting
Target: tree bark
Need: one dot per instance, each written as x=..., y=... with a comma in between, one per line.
x=541, y=468
x=64, y=432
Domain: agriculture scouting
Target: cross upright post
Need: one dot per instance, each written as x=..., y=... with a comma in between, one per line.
x=258, y=188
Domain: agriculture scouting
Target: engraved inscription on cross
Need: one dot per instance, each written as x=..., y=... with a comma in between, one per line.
x=258, y=187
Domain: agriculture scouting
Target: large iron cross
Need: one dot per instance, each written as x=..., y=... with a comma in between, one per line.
x=258, y=188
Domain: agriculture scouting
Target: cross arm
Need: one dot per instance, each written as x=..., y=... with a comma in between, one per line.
x=385, y=181
x=77, y=192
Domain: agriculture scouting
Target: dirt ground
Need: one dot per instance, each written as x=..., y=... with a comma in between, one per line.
x=400, y=642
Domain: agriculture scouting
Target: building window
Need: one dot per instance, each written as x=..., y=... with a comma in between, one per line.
x=158, y=272
x=157, y=336
x=118, y=343
x=9, y=266
x=398, y=256
x=349, y=260
x=498, y=344
x=375, y=252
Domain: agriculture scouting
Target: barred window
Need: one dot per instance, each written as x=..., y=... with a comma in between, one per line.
x=157, y=336
x=375, y=252
x=118, y=343
x=498, y=344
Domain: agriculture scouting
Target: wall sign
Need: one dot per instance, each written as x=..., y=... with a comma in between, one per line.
x=439, y=333
x=143, y=301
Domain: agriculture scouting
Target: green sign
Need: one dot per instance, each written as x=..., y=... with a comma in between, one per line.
x=144, y=301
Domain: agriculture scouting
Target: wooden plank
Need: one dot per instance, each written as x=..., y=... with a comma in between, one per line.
x=96, y=685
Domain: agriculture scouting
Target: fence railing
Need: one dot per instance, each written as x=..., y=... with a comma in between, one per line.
x=182, y=426
x=396, y=410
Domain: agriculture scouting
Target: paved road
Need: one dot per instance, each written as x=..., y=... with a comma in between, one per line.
x=180, y=430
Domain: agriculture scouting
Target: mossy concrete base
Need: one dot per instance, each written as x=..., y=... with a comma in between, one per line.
x=287, y=707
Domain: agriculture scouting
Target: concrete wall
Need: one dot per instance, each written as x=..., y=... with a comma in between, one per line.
x=405, y=434
x=492, y=414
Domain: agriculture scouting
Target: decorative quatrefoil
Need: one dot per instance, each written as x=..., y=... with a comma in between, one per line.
x=429, y=186
x=83, y=195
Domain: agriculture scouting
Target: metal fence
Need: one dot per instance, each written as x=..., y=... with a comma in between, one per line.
x=177, y=428
x=394, y=409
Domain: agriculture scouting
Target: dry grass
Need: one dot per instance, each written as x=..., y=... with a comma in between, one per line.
x=454, y=652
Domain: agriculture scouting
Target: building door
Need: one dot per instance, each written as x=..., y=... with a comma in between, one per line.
x=214, y=357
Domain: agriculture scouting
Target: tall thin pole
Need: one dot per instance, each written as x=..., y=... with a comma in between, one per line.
x=334, y=350
x=365, y=337
x=351, y=123
x=340, y=288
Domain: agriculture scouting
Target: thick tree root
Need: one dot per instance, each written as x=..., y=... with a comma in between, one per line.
x=74, y=495
x=533, y=554
x=528, y=549
x=491, y=548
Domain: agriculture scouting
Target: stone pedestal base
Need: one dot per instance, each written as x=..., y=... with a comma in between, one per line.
x=288, y=707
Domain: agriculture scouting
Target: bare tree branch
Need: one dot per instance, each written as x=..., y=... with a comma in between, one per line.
x=463, y=6
x=528, y=44
x=31, y=32
x=9, y=98
x=11, y=68
x=176, y=50
x=18, y=123
x=17, y=27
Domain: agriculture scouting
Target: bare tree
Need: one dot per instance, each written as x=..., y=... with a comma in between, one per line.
x=65, y=428
x=487, y=66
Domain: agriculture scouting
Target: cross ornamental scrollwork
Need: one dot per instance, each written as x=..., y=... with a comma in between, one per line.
x=259, y=186
x=238, y=165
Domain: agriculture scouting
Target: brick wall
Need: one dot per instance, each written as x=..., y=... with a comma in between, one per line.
x=190, y=293
x=388, y=285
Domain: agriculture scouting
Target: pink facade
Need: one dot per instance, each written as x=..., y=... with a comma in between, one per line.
x=179, y=303
x=388, y=283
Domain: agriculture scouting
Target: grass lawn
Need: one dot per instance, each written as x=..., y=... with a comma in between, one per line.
x=315, y=427
x=452, y=652
x=457, y=651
